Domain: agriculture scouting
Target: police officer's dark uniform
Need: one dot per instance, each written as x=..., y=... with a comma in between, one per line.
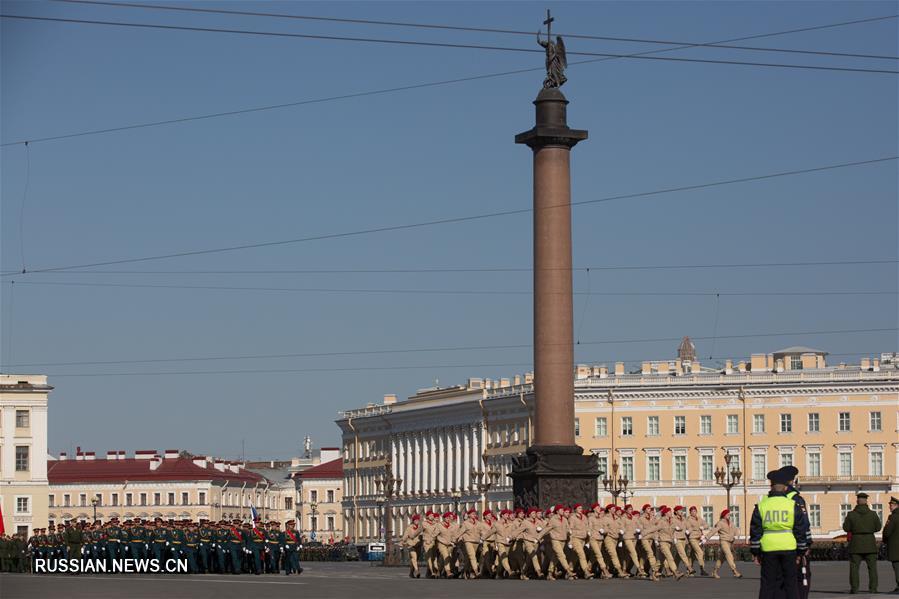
x=778, y=532
x=804, y=567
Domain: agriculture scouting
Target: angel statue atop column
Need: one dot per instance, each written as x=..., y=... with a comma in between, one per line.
x=556, y=62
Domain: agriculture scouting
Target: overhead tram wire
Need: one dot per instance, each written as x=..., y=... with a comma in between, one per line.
x=333, y=354
x=437, y=26
x=468, y=270
x=458, y=219
x=369, y=40
x=351, y=369
x=459, y=291
x=410, y=87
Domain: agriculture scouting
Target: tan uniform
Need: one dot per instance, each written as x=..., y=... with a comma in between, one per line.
x=488, y=547
x=614, y=528
x=412, y=541
x=595, y=523
x=504, y=538
x=727, y=534
x=679, y=526
x=667, y=544
x=649, y=535
x=429, y=544
x=470, y=537
x=579, y=531
x=695, y=539
x=557, y=533
x=531, y=531
x=630, y=542
x=447, y=533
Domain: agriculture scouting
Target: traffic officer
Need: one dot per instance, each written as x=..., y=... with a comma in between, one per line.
x=804, y=568
x=861, y=524
x=777, y=532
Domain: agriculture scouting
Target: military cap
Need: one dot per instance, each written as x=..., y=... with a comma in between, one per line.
x=894, y=500
x=533, y=510
x=290, y=522
x=645, y=507
x=448, y=515
x=664, y=509
x=472, y=511
x=679, y=508
x=861, y=495
x=790, y=472
x=778, y=477
x=693, y=508
x=725, y=512
x=416, y=517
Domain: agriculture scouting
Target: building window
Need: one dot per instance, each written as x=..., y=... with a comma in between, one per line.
x=128, y=499
x=814, y=515
x=735, y=515
x=66, y=500
x=22, y=505
x=184, y=499
x=680, y=425
x=795, y=363
x=653, y=467
x=331, y=523
x=786, y=458
x=330, y=495
x=627, y=426
x=313, y=495
x=877, y=508
x=115, y=499
x=876, y=465
x=22, y=419
x=814, y=464
x=705, y=425
x=171, y=499
x=143, y=499
x=603, y=463
x=202, y=498
x=845, y=422
x=845, y=463
x=288, y=503
x=627, y=467
x=876, y=422
x=652, y=426
x=814, y=422
x=786, y=423
x=759, y=466
x=708, y=512
x=758, y=423
x=600, y=428
x=680, y=467
x=706, y=467
x=314, y=521
x=82, y=500
x=22, y=458
x=157, y=498
x=845, y=508
x=733, y=424
x=577, y=427
x=52, y=501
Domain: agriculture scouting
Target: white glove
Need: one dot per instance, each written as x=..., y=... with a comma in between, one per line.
x=602, y=531
x=620, y=532
x=586, y=545
x=166, y=543
x=570, y=546
x=677, y=528
x=620, y=544
x=639, y=530
x=539, y=529
x=301, y=546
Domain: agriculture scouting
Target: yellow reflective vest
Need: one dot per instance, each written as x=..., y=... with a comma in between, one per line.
x=777, y=514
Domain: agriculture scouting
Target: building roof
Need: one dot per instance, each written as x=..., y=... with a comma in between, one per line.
x=799, y=349
x=77, y=471
x=332, y=469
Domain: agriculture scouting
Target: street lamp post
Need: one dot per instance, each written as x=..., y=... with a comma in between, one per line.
x=617, y=485
x=457, y=496
x=388, y=486
x=313, y=506
x=728, y=477
x=484, y=480
x=95, y=500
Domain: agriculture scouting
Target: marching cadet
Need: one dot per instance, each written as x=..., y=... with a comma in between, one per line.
x=429, y=543
x=470, y=537
x=113, y=541
x=255, y=540
x=557, y=533
x=630, y=537
x=727, y=535
x=516, y=551
x=695, y=533
x=446, y=539
x=579, y=530
x=679, y=523
x=667, y=542
x=861, y=524
x=74, y=540
x=778, y=530
x=191, y=547
x=176, y=541
x=531, y=532
x=274, y=539
x=505, y=537
x=412, y=541
x=220, y=545
x=487, y=564
x=595, y=525
x=137, y=540
x=891, y=538
x=648, y=536
x=613, y=530
x=206, y=550
x=293, y=542
x=237, y=545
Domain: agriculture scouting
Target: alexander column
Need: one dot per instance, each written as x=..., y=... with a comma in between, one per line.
x=554, y=469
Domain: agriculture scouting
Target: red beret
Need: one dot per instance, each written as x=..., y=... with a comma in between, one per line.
x=533, y=510
x=448, y=514
x=487, y=513
x=610, y=507
x=595, y=505
x=724, y=513
x=645, y=507
x=692, y=508
x=628, y=507
x=472, y=511
x=503, y=512
x=678, y=508
x=416, y=517
x=576, y=506
x=519, y=510
x=665, y=509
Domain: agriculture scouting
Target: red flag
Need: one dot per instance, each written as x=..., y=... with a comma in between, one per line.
x=2, y=528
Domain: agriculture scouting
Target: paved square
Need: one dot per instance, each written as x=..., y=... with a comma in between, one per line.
x=365, y=581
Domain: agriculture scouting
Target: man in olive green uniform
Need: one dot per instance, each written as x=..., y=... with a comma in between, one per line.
x=861, y=524
x=255, y=539
x=74, y=540
x=292, y=543
x=274, y=540
x=891, y=538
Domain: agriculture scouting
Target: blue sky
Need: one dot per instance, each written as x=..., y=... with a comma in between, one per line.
x=414, y=156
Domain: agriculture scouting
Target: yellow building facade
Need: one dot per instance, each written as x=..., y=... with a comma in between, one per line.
x=667, y=427
x=23, y=452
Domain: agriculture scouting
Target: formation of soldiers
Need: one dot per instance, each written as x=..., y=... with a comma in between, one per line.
x=571, y=542
x=222, y=547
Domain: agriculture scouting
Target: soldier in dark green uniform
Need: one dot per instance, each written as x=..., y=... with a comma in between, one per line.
x=255, y=539
x=206, y=551
x=53, y=546
x=274, y=540
x=74, y=540
x=113, y=540
x=137, y=540
x=158, y=538
x=292, y=544
x=237, y=546
x=220, y=545
x=891, y=538
x=176, y=541
x=191, y=547
x=20, y=552
x=861, y=524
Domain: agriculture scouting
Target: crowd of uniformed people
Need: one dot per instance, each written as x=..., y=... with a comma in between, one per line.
x=222, y=547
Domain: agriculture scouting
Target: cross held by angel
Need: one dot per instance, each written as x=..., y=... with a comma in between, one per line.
x=556, y=61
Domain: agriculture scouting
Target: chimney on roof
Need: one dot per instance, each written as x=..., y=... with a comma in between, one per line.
x=875, y=365
x=155, y=462
x=219, y=465
x=389, y=399
x=728, y=366
x=779, y=365
x=504, y=383
x=328, y=454
x=865, y=363
x=528, y=378
x=517, y=379
x=144, y=454
x=122, y=455
x=663, y=367
x=112, y=455
x=79, y=456
x=234, y=467
x=90, y=455
x=695, y=367
x=171, y=454
x=741, y=366
x=200, y=461
x=603, y=372
x=63, y=456
x=619, y=368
